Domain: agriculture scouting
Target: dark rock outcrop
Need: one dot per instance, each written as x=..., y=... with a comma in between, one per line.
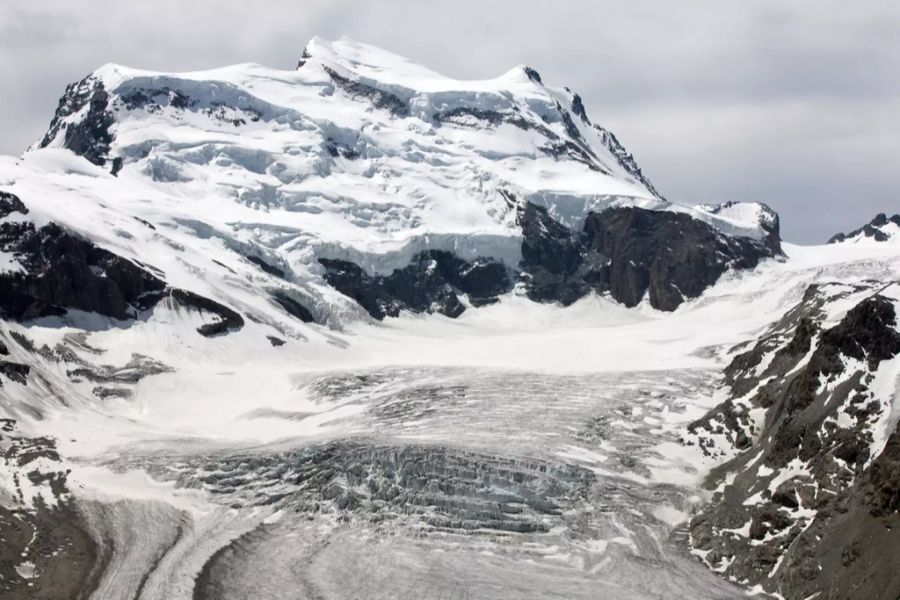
x=222, y=107
x=670, y=256
x=872, y=229
x=572, y=147
x=817, y=491
x=464, y=115
x=432, y=282
x=624, y=158
x=228, y=319
x=14, y=371
x=629, y=252
x=61, y=271
x=626, y=252
x=293, y=306
x=54, y=537
x=554, y=264
x=9, y=204
x=379, y=98
x=152, y=99
x=88, y=136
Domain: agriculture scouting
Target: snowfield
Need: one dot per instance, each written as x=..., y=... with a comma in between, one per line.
x=519, y=450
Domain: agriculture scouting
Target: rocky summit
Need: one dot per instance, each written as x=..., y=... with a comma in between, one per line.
x=358, y=329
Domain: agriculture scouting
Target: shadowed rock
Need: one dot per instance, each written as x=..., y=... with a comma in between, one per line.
x=88, y=136
x=61, y=271
x=630, y=253
x=432, y=282
x=228, y=319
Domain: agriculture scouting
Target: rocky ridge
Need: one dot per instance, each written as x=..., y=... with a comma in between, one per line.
x=880, y=229
x=805, y=500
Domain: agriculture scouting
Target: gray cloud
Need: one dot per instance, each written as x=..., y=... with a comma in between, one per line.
x=794, y=104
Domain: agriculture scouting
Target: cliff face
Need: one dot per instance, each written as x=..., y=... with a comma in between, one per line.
x=631, y=254
x=628, y=253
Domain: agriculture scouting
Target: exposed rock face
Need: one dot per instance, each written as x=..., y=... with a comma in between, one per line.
x=670, y=256
x=227, y=107
x=432, y=282
x=51, y=539
x=227, y=319
x=89, y=135
x=629, y=253
x=13, y=371
x=876, y=229
x=626, y=252
x=625, y=158
x=61, y=271
x=379, y=98
x=553, y=258
x=608, y=139
x=573, y=147
x=9, y=204
x=808, y=501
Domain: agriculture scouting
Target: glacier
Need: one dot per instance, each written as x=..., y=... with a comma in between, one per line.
x=206, y=438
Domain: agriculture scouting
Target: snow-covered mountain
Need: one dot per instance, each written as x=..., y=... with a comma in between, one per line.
x=399, y=327
x=880, y=229
x=361, y=165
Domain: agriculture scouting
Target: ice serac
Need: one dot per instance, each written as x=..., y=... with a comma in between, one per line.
x=365, y=159
x=807, y=498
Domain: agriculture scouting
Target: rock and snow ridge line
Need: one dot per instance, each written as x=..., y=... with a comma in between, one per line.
x=362, y=157
x=880, y=229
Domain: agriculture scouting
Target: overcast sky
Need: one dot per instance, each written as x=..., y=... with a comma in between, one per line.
x=796, y=104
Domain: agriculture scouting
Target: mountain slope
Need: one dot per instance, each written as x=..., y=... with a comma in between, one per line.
x=806, y=501
x=362, y=157
x=358, y=329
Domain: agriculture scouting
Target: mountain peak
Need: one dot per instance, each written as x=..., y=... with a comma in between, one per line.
x=880, y=229
x=372, y=63
x=366, y=61
x=118, y=117
x=362, y=163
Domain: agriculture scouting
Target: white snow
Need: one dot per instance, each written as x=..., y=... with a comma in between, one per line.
x=198, y=193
